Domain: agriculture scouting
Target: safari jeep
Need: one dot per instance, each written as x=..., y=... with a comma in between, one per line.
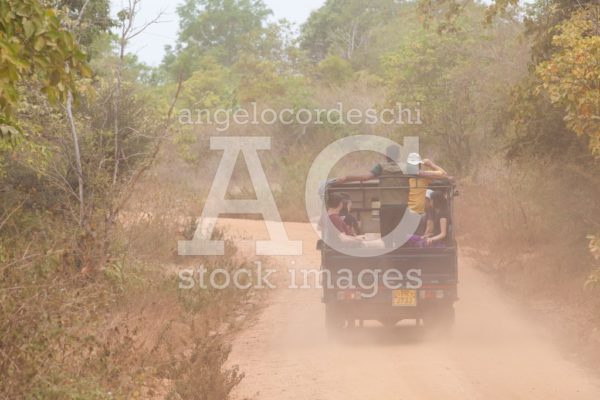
x=430, y=274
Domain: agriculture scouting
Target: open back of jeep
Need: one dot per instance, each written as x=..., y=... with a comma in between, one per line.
x=409, y=282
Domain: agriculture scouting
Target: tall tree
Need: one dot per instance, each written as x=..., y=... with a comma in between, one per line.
x=34, y=46
x=571, y=76
x=90, y=17
x=342, y=27
x=216, y=28
x=461, y=81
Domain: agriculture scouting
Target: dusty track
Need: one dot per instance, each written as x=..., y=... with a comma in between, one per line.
x=494, y=353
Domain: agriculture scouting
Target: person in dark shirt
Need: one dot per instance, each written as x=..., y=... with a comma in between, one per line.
x=438, y=221
x=335, y=204
x=337, y=232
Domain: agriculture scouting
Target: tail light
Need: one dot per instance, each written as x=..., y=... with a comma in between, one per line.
x=349, y=295
x=432, y=294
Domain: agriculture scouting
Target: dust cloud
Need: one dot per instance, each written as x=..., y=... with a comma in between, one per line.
x=494, y=352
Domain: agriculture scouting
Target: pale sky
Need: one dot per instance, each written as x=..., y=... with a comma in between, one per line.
x=149, y=46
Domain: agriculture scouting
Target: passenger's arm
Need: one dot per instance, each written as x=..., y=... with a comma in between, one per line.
x=355, y=178
x=443, y=232
x=429, y=228
x=436, y=171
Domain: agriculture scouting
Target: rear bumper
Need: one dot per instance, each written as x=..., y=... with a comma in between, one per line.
x=381, y=307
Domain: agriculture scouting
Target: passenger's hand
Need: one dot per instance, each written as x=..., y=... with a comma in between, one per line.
x=342, y=179
x=428, y=163
x=429, y=241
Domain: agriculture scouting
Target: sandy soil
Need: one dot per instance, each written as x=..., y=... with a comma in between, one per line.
x=495, y=352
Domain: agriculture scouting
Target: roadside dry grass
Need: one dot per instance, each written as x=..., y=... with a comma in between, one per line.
x=126, y=331
x=526, y=225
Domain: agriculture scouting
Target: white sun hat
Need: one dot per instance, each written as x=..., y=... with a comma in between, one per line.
x=414, y=159
x=428, y=193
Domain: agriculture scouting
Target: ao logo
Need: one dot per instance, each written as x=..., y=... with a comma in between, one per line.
x=264, y=204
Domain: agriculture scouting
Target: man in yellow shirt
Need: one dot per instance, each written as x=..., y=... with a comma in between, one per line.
x=419, y=186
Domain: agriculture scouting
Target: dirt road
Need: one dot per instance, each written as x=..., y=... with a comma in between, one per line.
x=494, y=353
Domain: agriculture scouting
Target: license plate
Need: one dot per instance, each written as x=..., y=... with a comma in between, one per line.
x=404, y=298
